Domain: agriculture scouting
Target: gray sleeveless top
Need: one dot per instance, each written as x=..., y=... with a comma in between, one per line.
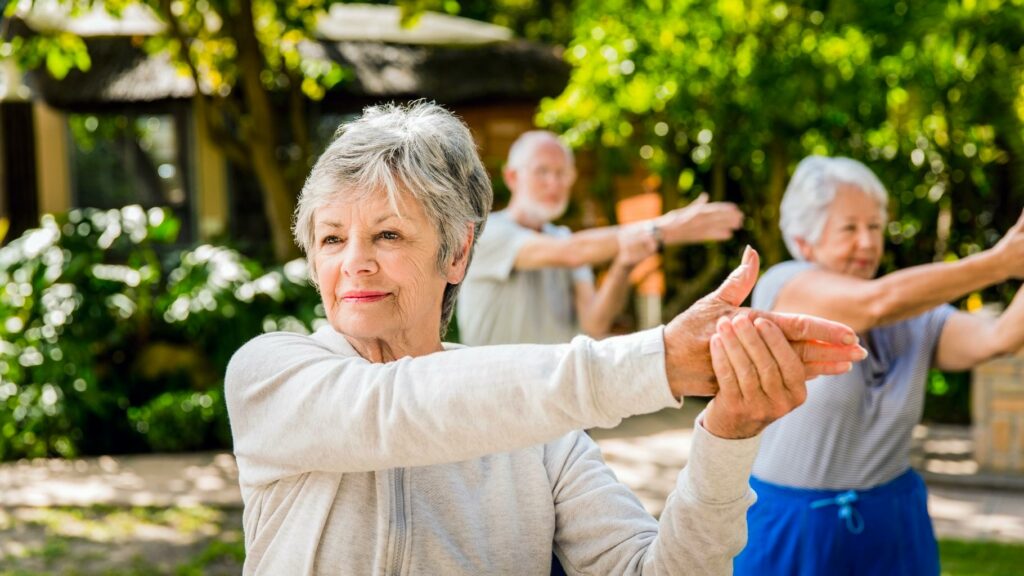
x=854, y=430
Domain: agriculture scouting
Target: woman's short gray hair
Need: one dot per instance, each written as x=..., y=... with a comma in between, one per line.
x=419, y=148
x=811, y=191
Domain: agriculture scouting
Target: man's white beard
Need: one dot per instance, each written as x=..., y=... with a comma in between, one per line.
x=544, y=213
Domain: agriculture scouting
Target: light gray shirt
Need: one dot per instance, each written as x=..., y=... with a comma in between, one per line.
x=854, y=430
x=467, y=461
x=499, y=304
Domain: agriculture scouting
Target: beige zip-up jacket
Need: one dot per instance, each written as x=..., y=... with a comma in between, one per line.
x=467, y=461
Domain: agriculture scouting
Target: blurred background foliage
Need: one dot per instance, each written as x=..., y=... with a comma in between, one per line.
x=115, y=338
x=726, y=96
x=113, y=341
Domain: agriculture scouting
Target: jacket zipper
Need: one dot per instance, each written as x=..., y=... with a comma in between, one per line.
x=399, y=496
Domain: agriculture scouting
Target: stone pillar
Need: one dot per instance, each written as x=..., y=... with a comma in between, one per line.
x=997, y=410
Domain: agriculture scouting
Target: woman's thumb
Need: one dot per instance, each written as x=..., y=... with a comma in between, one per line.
x=741, y=281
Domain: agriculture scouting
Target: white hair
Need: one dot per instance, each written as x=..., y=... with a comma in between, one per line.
x=522, y=149
x=811, y=191
x=419, y=148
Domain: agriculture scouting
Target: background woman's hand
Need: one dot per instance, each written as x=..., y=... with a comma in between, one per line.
x=699, y=221
x=823, y=346
x=1011, y=250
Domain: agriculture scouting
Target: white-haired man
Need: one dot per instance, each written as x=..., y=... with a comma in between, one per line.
x=531, y=281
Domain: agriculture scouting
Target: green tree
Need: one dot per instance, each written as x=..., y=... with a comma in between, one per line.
x=249, y=59
x=726, y=96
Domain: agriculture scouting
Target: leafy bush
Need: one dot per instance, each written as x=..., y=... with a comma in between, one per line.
x=113, y=341
x=182, y=420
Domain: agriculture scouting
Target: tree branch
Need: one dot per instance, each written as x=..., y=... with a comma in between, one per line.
x=297, y=116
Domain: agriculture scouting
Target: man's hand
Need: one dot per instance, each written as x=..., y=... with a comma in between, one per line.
x=635, y=244
x=823, y=346
x=699, y=221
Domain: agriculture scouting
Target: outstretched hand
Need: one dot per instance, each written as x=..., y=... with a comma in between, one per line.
x=821, y=346
x=700, y=221
x=1011, y=247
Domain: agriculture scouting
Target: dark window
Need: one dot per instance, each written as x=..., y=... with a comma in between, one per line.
x=133, y=158
x=17, y=170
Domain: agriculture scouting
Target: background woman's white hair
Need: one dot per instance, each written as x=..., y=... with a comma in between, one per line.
x=811, y=191
x=419, y=148
x=527, y=142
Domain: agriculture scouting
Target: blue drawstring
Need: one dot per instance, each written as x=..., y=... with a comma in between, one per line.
x=854, y=521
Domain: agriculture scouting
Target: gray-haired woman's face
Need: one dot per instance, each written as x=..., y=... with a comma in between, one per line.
x=377, y=269
x=852, y=240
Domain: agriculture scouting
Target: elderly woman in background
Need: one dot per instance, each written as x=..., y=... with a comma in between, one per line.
x=836, y=494
x=371, y=447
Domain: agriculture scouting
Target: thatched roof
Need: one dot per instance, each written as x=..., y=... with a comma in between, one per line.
x=447, y=59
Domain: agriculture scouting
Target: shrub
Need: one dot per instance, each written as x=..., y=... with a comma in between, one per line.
x=112, y=337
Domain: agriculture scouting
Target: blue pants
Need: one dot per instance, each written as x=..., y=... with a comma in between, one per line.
x=880, y=531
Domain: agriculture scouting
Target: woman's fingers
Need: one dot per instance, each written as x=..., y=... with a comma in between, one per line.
x=768, y=373
x=815, y=369
x=799, y=327
x=742, y=365
x=728, y=384
x=790, y=365
x=818, y=352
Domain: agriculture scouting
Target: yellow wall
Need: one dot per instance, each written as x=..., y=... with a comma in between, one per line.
x=52, y=166
x=211, y=188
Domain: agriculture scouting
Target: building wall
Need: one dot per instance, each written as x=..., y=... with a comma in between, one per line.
x=209, y=183
x=997, y=411
x=52, y=167
x=495, y=126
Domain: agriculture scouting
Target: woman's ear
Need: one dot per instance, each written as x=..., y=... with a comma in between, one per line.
x=457, y=268
x=806, y=250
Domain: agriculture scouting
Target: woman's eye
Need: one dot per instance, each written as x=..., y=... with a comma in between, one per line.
x=388, y=235
x=330, y=239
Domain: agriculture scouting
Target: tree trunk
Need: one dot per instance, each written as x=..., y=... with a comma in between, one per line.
x=261, y=135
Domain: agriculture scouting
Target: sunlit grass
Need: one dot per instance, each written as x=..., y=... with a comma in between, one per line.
x=964, y=558
x=116, y=541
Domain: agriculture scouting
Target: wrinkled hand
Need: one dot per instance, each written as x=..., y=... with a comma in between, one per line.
x=823, y=346
x=700, y=221
x=760, y=377
x=1011, y=250
x=636, y=242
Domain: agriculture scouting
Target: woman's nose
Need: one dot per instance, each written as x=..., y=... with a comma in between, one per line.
x=866, y=237
x=359, y=258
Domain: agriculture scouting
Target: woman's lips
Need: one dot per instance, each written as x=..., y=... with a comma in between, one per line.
x=364, y=296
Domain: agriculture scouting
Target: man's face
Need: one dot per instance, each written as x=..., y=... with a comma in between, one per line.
x=542, y=184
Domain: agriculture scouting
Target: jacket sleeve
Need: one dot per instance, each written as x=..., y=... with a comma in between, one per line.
x=296, y=406
x=601, y=527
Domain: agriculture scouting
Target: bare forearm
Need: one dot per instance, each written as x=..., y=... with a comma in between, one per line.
x=596, y=320
x=594, y=246
x=909, y=292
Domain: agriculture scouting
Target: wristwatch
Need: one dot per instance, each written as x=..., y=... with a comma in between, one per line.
x=655, y=231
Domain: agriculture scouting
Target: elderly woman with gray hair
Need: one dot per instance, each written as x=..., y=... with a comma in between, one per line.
x=836, y=494
x=370, y=447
